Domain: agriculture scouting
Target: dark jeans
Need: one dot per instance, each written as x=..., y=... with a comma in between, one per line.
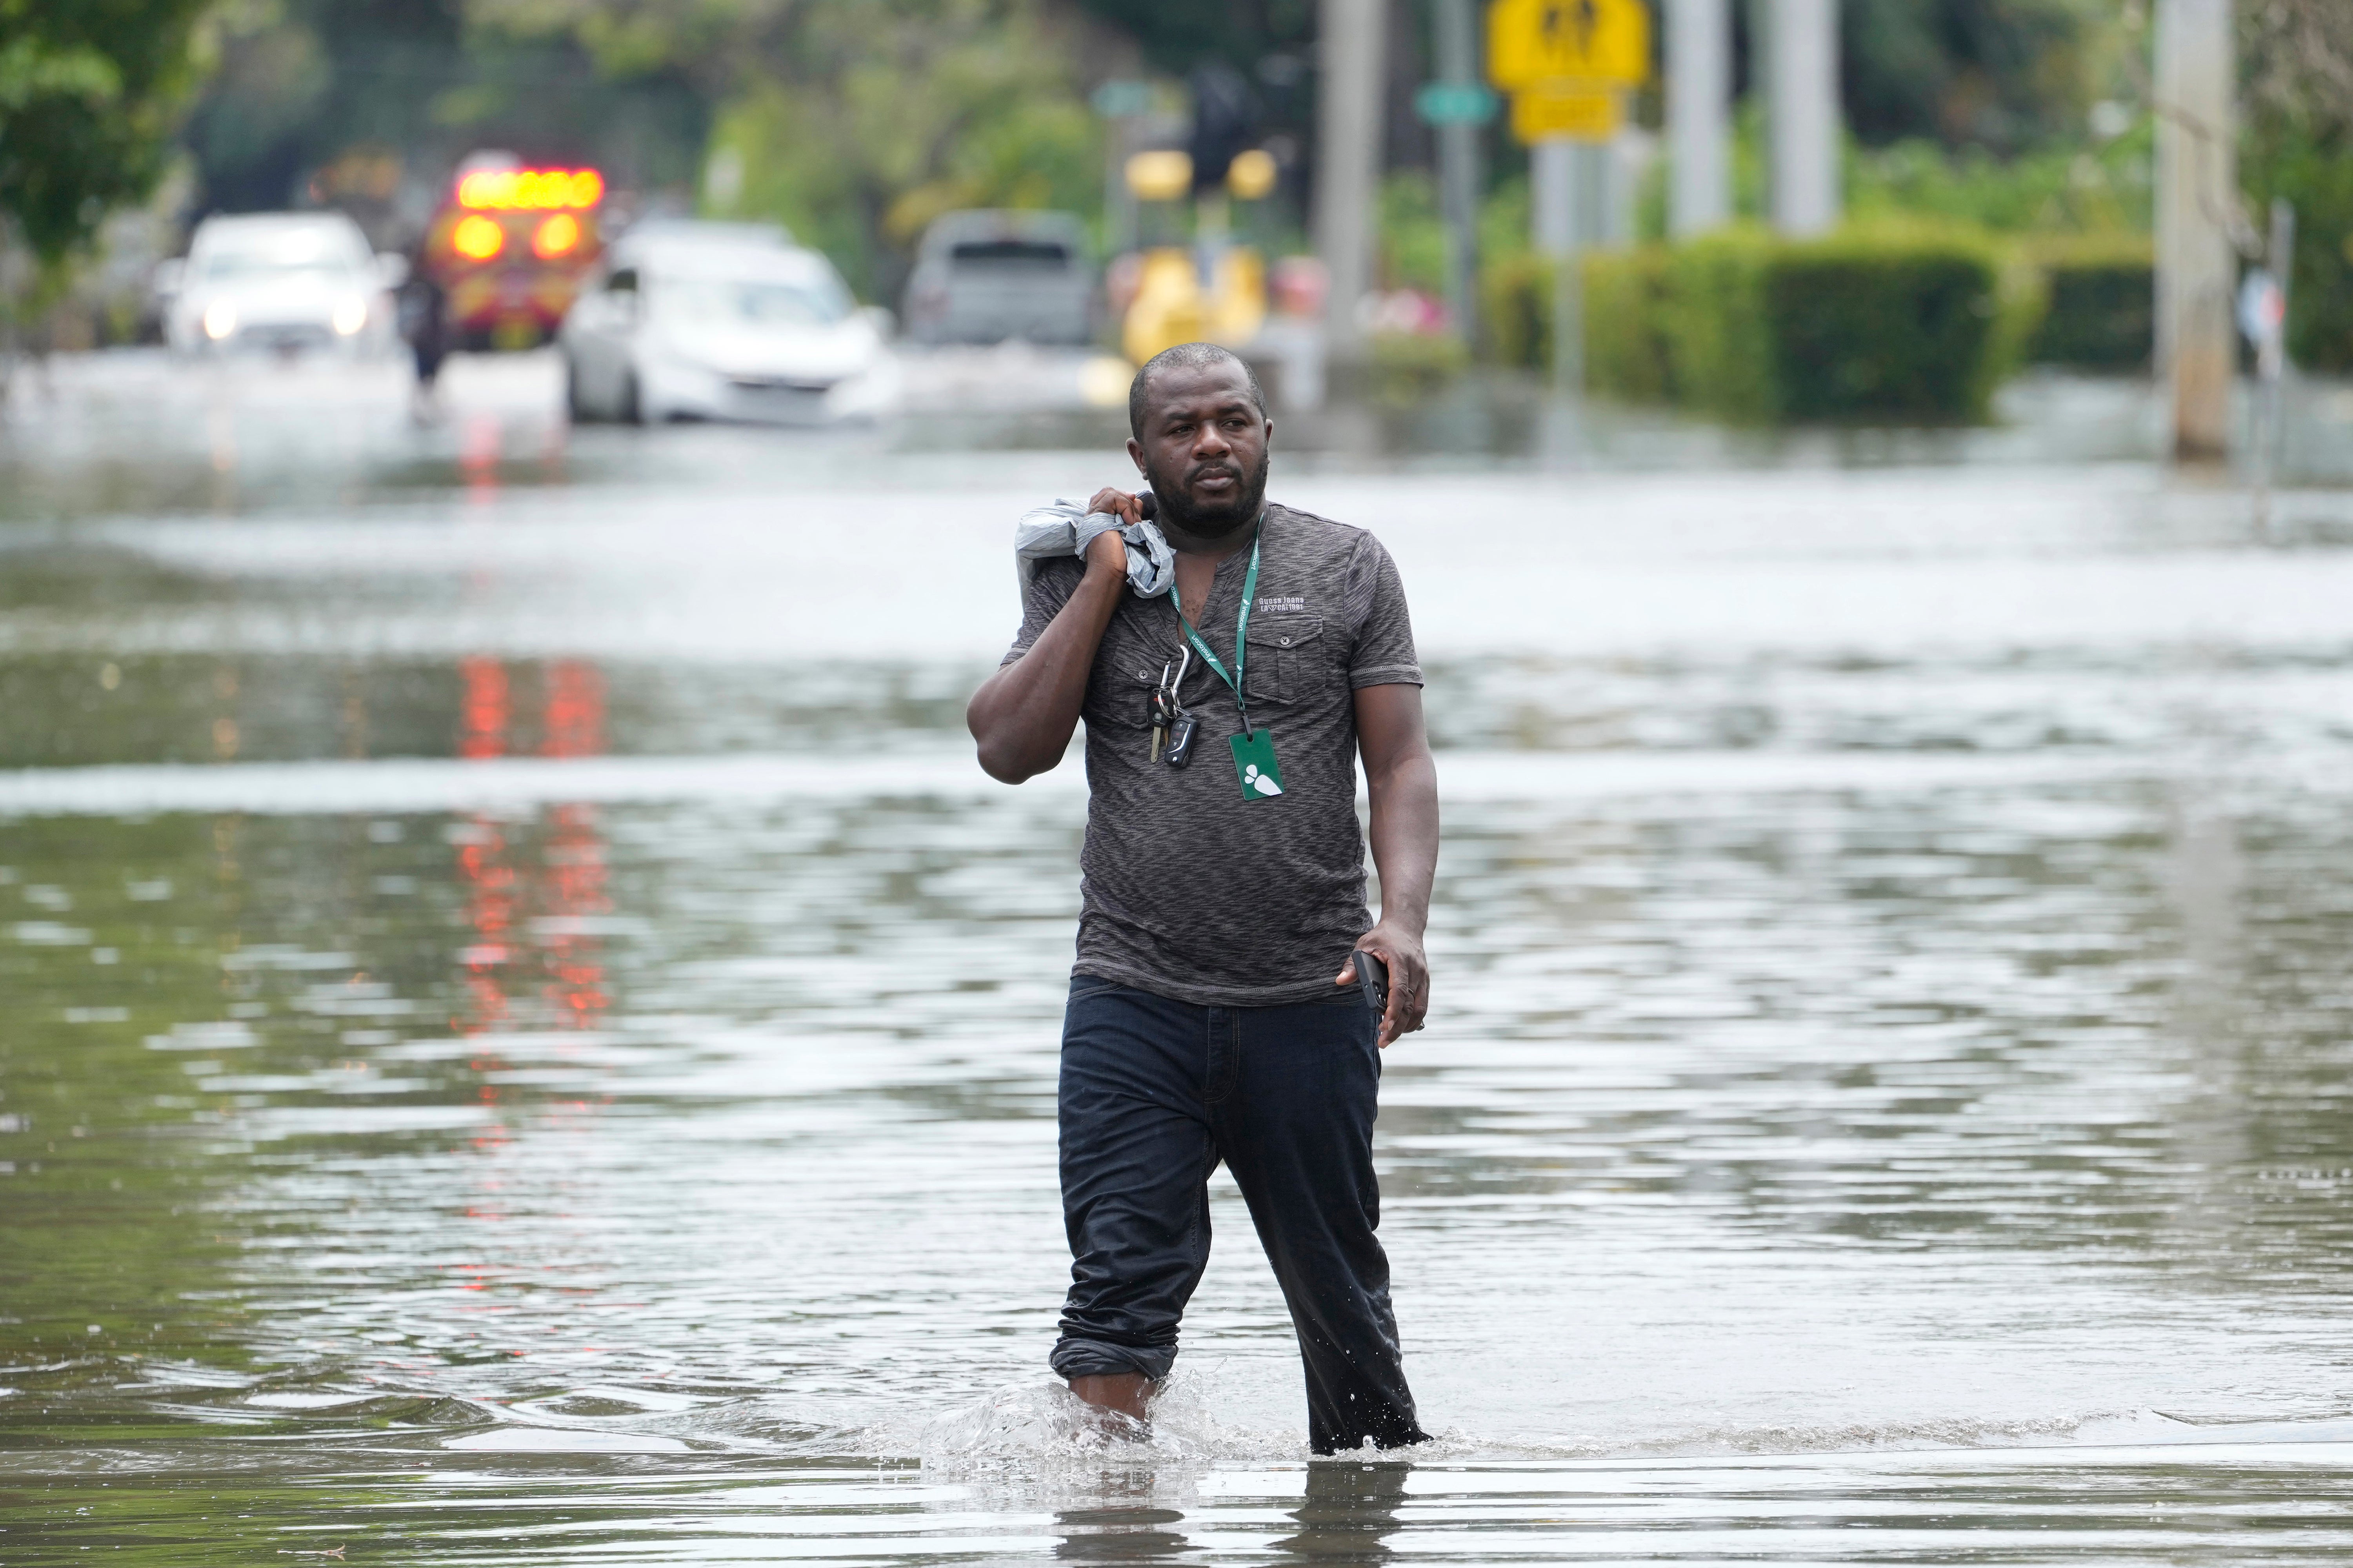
x=1154, y=1094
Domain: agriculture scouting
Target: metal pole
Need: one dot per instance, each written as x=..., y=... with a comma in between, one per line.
x=1553, y=168
x=1347, y=161
x=1119, y=202
x=1699, y=98
x=2271, y=364
x=1803, y=116
x=1458, y=169
x=2197, y=196
x=1596, y=190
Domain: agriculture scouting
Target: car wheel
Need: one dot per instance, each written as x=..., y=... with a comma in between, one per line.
x=580, y=410
x=633, y=406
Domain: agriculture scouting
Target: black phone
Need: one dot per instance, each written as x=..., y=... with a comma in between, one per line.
x=1373, y=979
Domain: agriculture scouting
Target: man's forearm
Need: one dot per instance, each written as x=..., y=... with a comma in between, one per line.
x=1405, y=839
x=1023, y=716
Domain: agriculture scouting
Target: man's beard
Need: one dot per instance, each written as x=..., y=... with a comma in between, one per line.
x=1175, y=507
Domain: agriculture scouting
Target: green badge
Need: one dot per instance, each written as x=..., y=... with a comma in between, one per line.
x=1254, y=761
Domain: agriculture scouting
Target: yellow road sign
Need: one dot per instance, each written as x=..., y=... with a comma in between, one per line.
x=1562, y=109
x=1529, y=41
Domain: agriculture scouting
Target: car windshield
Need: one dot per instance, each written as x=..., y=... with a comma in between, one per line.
x=287, y=253
x=737, y=301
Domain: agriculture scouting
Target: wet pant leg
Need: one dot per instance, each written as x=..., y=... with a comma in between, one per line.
x=1136, y=1155
x=1297, y=1130
x=1153, y=1093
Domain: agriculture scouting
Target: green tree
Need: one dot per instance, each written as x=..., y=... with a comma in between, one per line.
x=2297, y=62
x=857, y=121
x=2003, y=75
x=90, y=92
x=302, y=83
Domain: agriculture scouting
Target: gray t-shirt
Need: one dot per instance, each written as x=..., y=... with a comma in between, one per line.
x=1189, y=890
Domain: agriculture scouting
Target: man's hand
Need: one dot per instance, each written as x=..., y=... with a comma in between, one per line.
x=1107, y=552
x=1129, y=508
x=1400, y=953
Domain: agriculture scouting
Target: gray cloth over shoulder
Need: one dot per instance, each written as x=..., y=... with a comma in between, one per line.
x=1067, y=528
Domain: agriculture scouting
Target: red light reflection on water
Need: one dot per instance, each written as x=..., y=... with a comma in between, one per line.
x=483, y=711
x=479, y=442
x=530, y=891
x=567, y=886
x=575, y=852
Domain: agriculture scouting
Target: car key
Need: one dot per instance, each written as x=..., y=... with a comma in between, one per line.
x=1180, y=738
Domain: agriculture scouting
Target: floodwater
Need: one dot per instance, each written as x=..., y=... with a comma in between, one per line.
x=528, y=1040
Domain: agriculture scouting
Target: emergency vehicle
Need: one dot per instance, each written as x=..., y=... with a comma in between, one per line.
x=510, y=246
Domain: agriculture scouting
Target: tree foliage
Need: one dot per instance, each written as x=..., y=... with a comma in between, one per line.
x=857, y=121
x=302, y=83
x=2002, y=74
x=2297, y=62
x=1178, y=35
x=90, y=94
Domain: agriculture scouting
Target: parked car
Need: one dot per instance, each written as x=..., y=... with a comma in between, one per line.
x=280, y=281
x=711, y=321
x=984, y=276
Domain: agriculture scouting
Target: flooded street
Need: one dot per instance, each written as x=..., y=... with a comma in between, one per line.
x=529, y=1038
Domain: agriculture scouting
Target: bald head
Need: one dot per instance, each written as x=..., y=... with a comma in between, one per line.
x=1184, y=356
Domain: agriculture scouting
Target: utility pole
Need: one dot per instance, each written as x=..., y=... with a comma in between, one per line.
x=1556, y=188
x=1802, y=115
x=2197, y=200
x=1458, y=168
x=1347, y=161
x=1699, y=102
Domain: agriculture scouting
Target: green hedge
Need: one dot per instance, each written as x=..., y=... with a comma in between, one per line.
x=1625, y=345
x=1515, y=308
x=2102, y=314
x=1720, y=348
x=1626, y=353
x=1869, y=324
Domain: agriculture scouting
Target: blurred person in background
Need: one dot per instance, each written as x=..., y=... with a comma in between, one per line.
x=1227, y=703
x=425, y=322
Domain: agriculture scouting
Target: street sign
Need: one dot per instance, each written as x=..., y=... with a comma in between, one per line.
x=1119, y=100
x=1532, y=41
x=2262, y=307
x=1557, y=110
x=1454, y=103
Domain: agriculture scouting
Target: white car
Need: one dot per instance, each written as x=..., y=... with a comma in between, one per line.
x=722, y=321
x=280, y=281
x=984, y=277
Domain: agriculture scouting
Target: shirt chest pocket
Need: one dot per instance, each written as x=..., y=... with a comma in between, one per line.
x=1120, y=694
x=1289, y=659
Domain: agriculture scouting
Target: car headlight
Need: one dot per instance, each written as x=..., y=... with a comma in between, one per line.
x=349, y=315
x=220, y=320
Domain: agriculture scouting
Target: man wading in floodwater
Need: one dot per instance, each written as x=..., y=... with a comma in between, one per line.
x=1216, y=1009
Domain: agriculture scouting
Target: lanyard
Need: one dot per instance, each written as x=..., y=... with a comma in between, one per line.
x=1241, y=629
